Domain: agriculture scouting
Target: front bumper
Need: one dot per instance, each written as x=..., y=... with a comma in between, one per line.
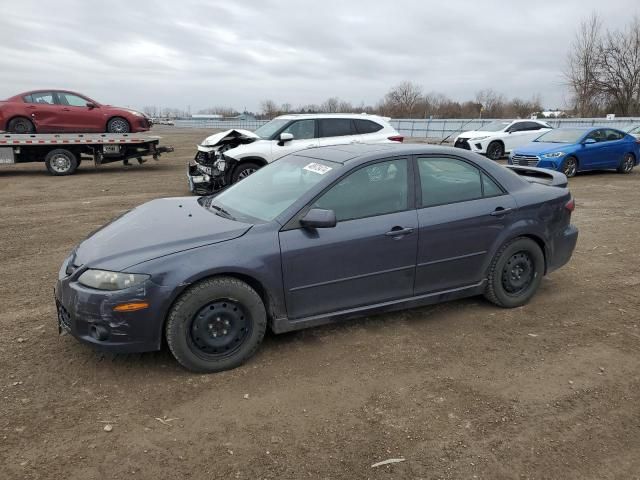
x=563, y=246
x=87, y=314
x=205, y=178
x=469, y=144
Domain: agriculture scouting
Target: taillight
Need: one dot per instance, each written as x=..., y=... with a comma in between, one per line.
x=570, y=205
x=396, y=138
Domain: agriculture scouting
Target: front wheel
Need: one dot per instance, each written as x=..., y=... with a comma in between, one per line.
x=118, y=125
x=495, y=151
x=244, y=170
x=216, y=325
x=570, y=167
x=515, y=273
x=627, y=164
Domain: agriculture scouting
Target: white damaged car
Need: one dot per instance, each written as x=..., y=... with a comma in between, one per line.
x=500, y=137
x=229, y=156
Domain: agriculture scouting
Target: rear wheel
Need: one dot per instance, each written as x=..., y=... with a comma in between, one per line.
x=21, y=125
x=118, y=125
x=61, y=162
x=515, y=273
x=570, y=166
x=495, y=151
x=627, y=163
x=244, y=170
x=216, y=325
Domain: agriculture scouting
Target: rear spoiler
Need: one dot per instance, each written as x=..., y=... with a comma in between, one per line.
x=540, y=175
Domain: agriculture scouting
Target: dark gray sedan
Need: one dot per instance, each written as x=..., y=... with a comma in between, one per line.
x=321, y=235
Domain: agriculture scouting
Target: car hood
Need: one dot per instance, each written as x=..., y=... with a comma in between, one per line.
x=540, y=148
x=155, y=229
x=478, y=133
x=237, y=136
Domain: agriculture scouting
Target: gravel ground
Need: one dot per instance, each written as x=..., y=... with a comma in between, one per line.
x=459, y=390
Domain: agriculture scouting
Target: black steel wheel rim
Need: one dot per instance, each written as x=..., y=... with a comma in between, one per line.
x=219, y=329
x=518, y=273
x=570, y=167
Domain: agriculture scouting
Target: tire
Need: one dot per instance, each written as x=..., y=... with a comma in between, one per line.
x=495, y=150
x=20, y=125
x=627, y=163
x=243, y=171
x=570, y=167
x=118, y=125
x=216, y=325
x=61, y=162
x=515, y=273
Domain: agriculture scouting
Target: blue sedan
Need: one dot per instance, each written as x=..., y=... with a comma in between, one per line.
x=572, y=150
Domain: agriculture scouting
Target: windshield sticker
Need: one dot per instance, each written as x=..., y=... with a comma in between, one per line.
x=317, y=168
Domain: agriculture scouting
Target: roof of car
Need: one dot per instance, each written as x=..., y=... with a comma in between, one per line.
x=293, y=116
x=347, y=153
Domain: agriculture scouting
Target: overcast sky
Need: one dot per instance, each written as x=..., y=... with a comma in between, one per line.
x=237, y=53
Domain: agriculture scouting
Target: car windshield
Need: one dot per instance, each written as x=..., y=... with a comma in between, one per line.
x=267, y=130
x=560, y=135
x=267, y=193
x=495, y=126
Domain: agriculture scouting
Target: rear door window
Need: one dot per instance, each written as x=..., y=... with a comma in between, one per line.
x=449, y=180
x=41, y=97
x=612, y=135
x=336, y=127
x=366, y=126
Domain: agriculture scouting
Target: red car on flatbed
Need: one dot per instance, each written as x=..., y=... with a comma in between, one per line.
x=59, y=111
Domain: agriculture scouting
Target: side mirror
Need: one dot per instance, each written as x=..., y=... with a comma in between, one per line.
x=589, y=141
x=91, y=105
x=285, y=137
x=319, y=218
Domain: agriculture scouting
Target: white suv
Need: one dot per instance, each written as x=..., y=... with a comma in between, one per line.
x=229, y=156
x=500, y=137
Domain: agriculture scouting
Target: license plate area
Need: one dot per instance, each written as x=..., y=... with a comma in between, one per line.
x=111, y=149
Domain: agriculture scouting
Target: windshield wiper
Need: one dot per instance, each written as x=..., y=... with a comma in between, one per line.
x=222, y=212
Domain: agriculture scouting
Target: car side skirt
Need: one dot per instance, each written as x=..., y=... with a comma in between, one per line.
x=283, y=324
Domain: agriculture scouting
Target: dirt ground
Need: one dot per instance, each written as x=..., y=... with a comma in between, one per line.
x=459, y=390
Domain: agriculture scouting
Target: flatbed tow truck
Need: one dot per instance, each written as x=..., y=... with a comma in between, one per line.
x=62, y=152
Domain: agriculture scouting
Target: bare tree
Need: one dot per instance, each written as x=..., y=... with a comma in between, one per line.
x=330, y=105
x=618, y=72
x=582, y=66
x=402, y=99
x=269, y=108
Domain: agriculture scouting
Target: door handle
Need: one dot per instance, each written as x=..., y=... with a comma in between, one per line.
x=498, y=212
x=311, y=145
x=31, y=107
x=66, y=110
x=399, y=232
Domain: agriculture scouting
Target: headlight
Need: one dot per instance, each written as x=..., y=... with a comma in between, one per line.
x=105, y=280
x=221, y=164
x=553, y=155
x=477, y=139
x=137, y=114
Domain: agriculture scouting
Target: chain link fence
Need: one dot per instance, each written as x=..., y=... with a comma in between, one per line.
x=432, y=129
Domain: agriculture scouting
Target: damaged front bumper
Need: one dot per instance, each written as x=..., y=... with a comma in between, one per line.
x=206, y=173
x=209, y=171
